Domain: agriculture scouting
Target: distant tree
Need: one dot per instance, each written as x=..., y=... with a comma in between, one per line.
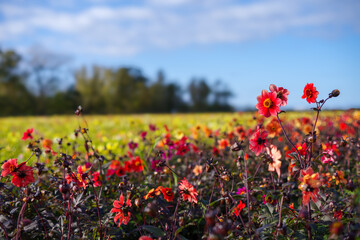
x=157, y=94
x=174, y=100
x=99, y=89
x=15, y=99
x=221, y=96
x=64, y=102
x=44, y=69
x=165, y=97
x=199, y=92
x=131, y=95
x=90, y=87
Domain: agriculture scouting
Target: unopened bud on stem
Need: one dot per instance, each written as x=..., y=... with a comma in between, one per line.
x=334, y=93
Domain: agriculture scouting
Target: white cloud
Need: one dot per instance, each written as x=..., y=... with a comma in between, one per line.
x=129, y=29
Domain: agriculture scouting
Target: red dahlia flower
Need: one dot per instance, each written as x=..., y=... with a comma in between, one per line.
x=137, y=164
x=281, y=93
x=268, y=103
x=9, y=167
x=28, y=134
x=338, y=215
x=153, y=192
x=309, y=185
x=310, y=93
x=132, y=145
x=258, y=142
x=328, y=156
x=223, y=143
x=187, y=191
x=96, y=178
x=238, y=208
x=168, y=194
x=23, y=175
x=78, y=178
x=122, y=214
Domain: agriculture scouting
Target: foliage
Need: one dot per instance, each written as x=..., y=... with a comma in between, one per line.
x=190, y=177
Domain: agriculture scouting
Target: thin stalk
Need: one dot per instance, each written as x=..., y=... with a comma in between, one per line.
x=70, y=219
x=20, y=217
x=4, y=229
x=97, y=208
x=319, y=106
x=309, y=233
x=292, y=144
x=171, y=170
x=212, y=192
x=257, y=168
x=42, y=221
x=272, y=181
x=280, y=210
x=247, y=192
x=174, y=223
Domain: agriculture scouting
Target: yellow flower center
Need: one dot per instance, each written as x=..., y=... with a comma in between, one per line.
x=267, y=103
x=78, y=177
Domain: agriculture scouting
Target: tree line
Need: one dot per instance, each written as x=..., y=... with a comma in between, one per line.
x=36, y=89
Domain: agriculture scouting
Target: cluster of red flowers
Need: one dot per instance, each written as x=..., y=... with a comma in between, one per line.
x=133, y=165
x=22, y=174
x=269, y=103
x=167, y=193
x=182, y=147
x=81, y=179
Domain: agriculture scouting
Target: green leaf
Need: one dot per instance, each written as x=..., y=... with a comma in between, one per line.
x=155, y=231
x=181, y=228
x=218, y=200
x=175, y=179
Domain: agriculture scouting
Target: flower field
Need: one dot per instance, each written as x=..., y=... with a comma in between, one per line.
x=260, y=175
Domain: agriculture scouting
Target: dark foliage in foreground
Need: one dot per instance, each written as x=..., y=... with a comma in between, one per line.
x=259, y=182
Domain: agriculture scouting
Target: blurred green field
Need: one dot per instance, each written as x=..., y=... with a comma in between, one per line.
x=113, y=132
x=110, y=131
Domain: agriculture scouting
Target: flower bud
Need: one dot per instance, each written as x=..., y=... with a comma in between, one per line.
x=311, y=138
x=210, y=218
x=64, y=188
x=335, y=93
x=220, y=229
x=225, y=177
x=137, y=202
x=350, y=185
x=151, y=209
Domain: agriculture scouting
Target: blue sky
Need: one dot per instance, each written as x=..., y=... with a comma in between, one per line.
x=246, y=44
